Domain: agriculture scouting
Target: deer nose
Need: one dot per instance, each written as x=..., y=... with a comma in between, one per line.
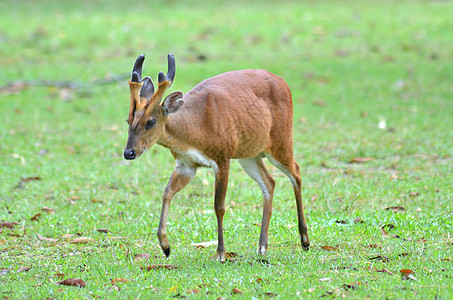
x=129, y=154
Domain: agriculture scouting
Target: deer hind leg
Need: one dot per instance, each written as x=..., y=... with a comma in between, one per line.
x=180, y=177
x=221, y=184
x=256, y=169
x=291, y=169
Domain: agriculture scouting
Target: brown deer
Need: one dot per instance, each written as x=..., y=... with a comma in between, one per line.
x=244, y=115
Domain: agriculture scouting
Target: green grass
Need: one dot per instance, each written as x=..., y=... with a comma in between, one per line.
x=351, y=65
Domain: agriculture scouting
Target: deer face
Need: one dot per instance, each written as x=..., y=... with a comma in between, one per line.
x=147, y=116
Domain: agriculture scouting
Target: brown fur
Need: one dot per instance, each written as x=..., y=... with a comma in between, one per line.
x=243, y=115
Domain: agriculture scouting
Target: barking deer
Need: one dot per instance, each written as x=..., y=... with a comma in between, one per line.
x=244, y=115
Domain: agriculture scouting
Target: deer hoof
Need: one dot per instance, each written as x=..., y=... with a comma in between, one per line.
x=167, y=251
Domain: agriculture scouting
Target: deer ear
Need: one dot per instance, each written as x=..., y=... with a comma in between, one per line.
x=172, y=103
x=147, y=89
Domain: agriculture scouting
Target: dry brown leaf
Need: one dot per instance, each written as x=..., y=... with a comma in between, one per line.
x=82, y=240
x=7, y=224
x=259, y=280
x=413, y=194
x=77, y=282
x=36, y=217
x=329, y=248
x=48, y=210
x=396, y=209
x=358, y=220
x=27, y=179
x=103, y=230
x=23, y=269
x=236, y=291
x=142, y=256
x=360, y=159
x=59, y=275
x=120, y=279
x=341, y=222
x=159, y=267
x=384, y=270
x=268, y=294
x=380, y=258
x=194, y=291
x=407, y=274
x=422, y=240
x=40, y=237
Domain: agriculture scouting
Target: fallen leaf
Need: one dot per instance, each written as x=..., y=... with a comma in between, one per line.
x=48, y=210
x=82, y=240
x=413, y=194
x=384, y=270
x=388, y=226
x=23, y=269
x=142, y=256
x=116, y=280
x=23, y=180
x=36, y=217
x=203, y=244
x=325, y=279
x=173, y=289
x=422, y=240
x=7, y=224
x=194, y=291
x=311, y=290
x=380, y=258
x=358, y=220
x=396, y=209
x=59, y=275
x=40, y=237
x=236, y=291
x=407, y=274
x=314, y=198
x=329, y=248
x=103, y=230
x=159, y=267
x=404, y=254
x=341, y=222
x=259, y=280
x=384, y=232
x=27, y=179
x=360, y=159
x=77, y=282
x=268, y=294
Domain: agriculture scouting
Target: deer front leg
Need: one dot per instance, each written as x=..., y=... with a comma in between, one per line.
x=221, y=183
x=180, y=177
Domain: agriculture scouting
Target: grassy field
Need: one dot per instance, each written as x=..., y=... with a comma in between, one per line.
x=372, y=83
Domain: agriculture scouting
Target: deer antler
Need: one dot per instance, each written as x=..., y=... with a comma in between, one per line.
x=164, y=81
x=143, y=96
x=135, y=85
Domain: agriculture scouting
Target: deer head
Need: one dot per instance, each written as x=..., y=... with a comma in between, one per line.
x=147, y=115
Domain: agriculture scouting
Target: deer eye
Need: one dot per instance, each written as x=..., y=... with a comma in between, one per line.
x=150, y=124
